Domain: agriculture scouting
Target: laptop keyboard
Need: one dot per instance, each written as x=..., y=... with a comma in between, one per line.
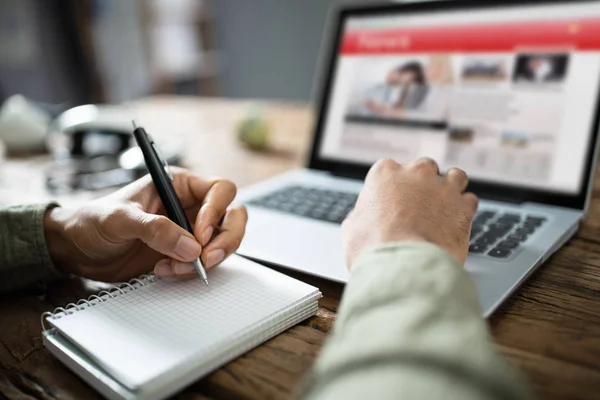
x=498, y=234
x=495, y=233
x=324, y=205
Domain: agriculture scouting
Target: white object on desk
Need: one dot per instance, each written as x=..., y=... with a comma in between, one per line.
x=23, y=126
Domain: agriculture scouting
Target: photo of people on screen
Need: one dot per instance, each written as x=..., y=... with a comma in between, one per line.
x=416, y=89
x=540, y=68
x=482, y=70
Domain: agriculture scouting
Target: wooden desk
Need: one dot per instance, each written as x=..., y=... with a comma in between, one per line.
x=550, y=329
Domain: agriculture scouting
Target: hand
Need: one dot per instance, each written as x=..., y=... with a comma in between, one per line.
x=401, y=203
x=384, y=110
x=374, y=106
x=126, y=234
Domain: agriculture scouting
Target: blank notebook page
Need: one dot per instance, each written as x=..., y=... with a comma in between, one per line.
x=144, y=333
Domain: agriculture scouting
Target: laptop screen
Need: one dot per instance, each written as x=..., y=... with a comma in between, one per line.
x=507, y=94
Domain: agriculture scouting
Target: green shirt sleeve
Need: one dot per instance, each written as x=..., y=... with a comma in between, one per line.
x=410, y=327
x=24, y=258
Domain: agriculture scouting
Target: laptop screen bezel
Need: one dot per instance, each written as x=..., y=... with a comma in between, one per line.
x=486, y=190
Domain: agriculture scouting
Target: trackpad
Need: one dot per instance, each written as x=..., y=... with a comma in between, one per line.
x=310, y=246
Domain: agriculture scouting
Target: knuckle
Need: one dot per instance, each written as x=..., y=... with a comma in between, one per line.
x=425, y=163
x=227, y=187
x=115, y=215
x=385, y=164
x=156, y=228
x=475, y=201
x=209, y=212
x=472, y=202
x=458, y=171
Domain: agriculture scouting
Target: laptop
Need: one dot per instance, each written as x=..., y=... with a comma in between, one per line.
x=507, y=91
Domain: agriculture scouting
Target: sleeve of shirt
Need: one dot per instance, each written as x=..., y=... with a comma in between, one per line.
x=24, y=257
x=410, y=326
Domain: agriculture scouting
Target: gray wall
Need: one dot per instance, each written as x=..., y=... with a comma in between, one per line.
x=270, y=46
x=34, y=58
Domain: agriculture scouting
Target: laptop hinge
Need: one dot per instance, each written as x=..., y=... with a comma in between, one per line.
x=499, y=199
x=348, y=174
x=483, y=196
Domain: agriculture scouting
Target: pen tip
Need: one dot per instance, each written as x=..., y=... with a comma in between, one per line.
x=206, y=281
x=134, y=124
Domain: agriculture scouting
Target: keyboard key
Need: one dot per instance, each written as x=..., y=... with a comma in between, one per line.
x=317, y=214
x=272, y=203
x=486, y=239
x=506, y=220
x=483, y=217
x=537, y=219
x=479, y=226
x=287, y=207
x=302, y=211
x=477, y=248
x=534, y=221
x=486, y=214
x=336, y=218
x=510, y=217
x=500, y=230
x=517, y=237
x=508, y=244
x=495, y=233
x=499, y=252
x=525, y=231
x=475, y=232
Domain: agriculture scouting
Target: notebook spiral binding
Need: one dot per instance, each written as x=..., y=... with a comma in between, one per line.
x=95, y=299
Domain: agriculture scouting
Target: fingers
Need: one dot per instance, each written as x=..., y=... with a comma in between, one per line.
x=215, y=203
x=472, y=202
x=382, y=167
x=225, y=243
x=157, y=231
x=170, y=268
x=458, y=178
x=425, y=164
x=229, y=238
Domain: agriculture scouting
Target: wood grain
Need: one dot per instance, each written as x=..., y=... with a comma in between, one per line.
x=550, y=328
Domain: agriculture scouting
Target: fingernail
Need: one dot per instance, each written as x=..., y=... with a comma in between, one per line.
x=187, y=248
x=207, y=235
x=183, y=268
x=162, y=268
x=214, y=257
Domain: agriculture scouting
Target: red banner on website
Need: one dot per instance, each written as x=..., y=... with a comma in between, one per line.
x=580, y=34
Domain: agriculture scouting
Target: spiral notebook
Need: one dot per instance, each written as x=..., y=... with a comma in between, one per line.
x=149, y=338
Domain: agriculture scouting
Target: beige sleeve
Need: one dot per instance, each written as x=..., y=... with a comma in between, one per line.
x=410, y=327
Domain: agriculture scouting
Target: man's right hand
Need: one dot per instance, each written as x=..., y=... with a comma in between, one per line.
x=402, y=203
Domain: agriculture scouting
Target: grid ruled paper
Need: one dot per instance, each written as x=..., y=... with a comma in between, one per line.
x=143, y=334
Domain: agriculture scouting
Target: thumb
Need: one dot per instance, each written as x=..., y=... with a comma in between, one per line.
x=159, y=233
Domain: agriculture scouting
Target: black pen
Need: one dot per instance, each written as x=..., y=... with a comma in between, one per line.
x=162, y=178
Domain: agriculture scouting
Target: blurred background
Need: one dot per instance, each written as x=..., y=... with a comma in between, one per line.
x=208, y=77
x=82, y=51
